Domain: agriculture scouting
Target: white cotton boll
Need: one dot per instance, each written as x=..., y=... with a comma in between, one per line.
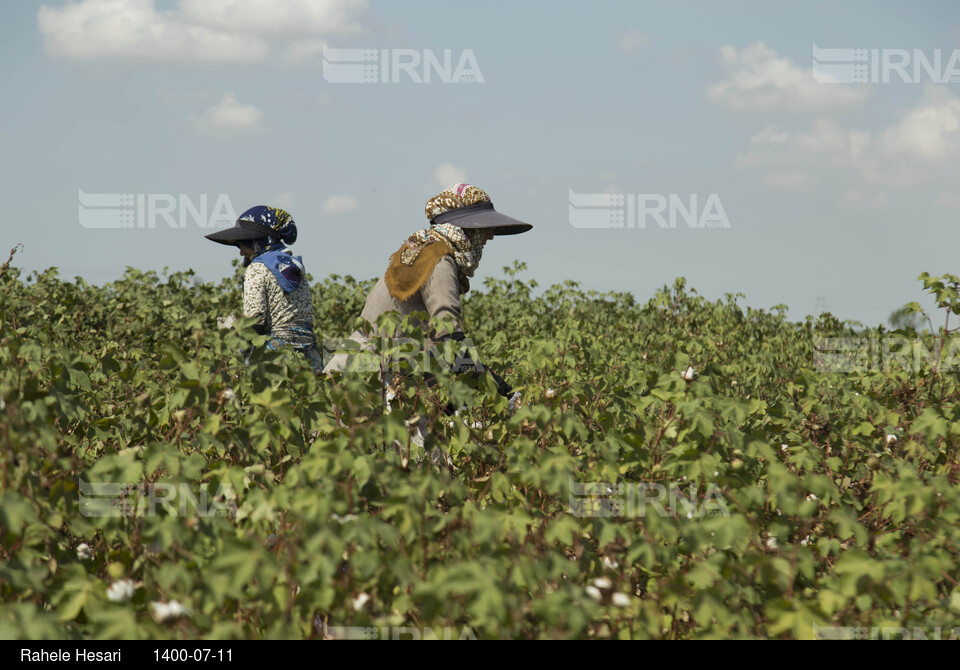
x=550, y=393
x=784, y=447
x=689, y=373
x=594, y=592
x=891, y=438
x=224, y=323
x=360, y=601
x=176, y=609
x=812, y=497
x=160, y=611
x=620, y=600
x=167, y=611
x=771, y=542
x=689, y=515
x=121, y=591
x=228, y=394
x=610, y=563
x=84, y=551
x=602, y=583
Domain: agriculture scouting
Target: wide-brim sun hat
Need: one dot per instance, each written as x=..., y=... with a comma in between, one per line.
x=470, y=208
x=257, y=222
x=241, y=231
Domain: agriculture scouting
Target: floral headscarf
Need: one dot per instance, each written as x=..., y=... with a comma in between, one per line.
x=285, y=230
x=467, y=245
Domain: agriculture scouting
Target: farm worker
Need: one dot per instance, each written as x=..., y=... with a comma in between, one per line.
x=275, y=287
x=433, y=267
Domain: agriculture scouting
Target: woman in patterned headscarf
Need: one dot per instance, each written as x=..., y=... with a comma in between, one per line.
x=275, y=287
x=433, y=268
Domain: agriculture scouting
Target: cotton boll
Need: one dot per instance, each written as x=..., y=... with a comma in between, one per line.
x=360, y=601
x=121, y=591
x=167, y=611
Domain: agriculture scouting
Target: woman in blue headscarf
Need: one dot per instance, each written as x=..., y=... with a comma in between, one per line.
x=275, y=287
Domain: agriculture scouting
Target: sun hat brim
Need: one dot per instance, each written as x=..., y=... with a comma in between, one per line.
x=482, y=215
x=243, y=230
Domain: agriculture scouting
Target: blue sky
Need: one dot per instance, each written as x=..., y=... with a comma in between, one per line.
x=837, y=192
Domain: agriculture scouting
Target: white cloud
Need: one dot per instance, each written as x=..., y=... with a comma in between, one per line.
x=633, y=40
x=448, y=174
x=230, y=116
x=928, y=132
x=916, y=149
x=338, y=204
x=949, y=200
x=94, y=29
x=757, y=79
x=303, y=53
x=859, y=199
x=826, y=143
x=226, y=31
x=283, y=201
x=794, y=180
x=288, y=17
x=770, y=135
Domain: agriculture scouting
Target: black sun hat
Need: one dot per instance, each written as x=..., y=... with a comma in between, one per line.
x=257, y=222
x=470, y=208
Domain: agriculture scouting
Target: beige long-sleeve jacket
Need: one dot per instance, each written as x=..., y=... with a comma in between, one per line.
x=439, y=297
